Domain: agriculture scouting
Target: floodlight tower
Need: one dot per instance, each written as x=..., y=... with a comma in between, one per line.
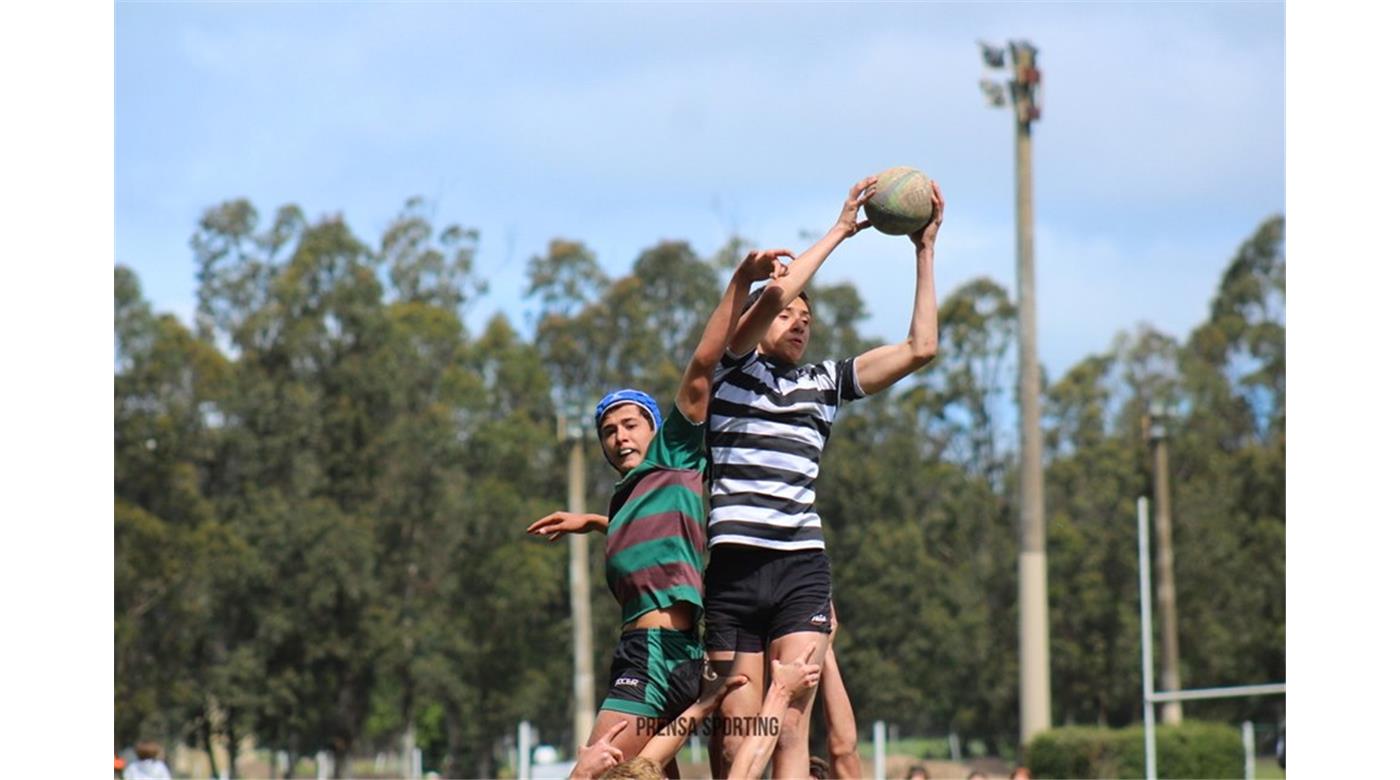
x=1024, y=87
x=571, y=425
x=1166, y=580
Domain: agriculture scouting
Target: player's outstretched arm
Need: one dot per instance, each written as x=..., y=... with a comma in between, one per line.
x=667, y=742
x=801, y=270
x=599, y=757
x=556, y=523
x=787, y=682
x=693, y=399
x=883, y=366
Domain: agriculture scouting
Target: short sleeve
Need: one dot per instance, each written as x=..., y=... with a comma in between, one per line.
x=842, y=377
x=680, y=444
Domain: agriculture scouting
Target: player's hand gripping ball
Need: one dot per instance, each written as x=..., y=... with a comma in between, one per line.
x=902, y=203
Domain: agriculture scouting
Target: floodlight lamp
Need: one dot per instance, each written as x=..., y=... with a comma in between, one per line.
x=996, y=94
x=1022, y=54
x=1154, y=423
x=992, y=56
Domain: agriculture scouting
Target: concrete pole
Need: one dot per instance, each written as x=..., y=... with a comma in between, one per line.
x=580, y=606
x=1247, y=736
x=879, y=739
x=1166, y=582
x=408, y=743
x=1035, y=630
x=522, y=750
x=1149, y=721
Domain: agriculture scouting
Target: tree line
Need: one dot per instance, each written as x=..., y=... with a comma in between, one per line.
x=321, y=486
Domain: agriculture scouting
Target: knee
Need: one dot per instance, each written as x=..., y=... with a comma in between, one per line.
x=841, y=740
x=840, y=746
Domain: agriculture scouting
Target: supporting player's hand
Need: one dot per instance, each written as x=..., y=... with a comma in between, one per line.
x=600, y=756
x=924, y=238
x=834, y=624
x=847, y=224
x=556, y=523
x=797, y=675
x=760, y=264
x=713, y=688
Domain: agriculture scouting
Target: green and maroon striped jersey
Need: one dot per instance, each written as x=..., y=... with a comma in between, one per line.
x=656, y=523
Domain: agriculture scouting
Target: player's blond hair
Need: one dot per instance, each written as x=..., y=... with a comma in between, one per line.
x=639, y=768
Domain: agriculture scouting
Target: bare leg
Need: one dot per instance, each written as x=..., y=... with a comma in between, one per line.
x=841, y=732
x=737, y=710
x=790, y=760
x=631, y=740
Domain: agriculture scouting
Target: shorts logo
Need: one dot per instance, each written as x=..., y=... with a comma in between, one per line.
x=819, y=619
x=633, y=681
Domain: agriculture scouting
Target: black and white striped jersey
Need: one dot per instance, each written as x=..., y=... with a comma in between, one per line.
x=769, y=422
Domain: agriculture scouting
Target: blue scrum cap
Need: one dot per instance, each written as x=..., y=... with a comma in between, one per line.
x=628, y=396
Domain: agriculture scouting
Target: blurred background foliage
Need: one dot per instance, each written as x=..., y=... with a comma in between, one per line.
x=322, y=485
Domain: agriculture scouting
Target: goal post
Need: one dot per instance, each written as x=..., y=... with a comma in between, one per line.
x=1151, y=698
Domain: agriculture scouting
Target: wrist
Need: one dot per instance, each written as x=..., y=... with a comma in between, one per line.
x=782, y=691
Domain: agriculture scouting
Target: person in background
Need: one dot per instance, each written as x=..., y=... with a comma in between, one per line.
x=1020, y=773
x=147, y=765
x=917, y=772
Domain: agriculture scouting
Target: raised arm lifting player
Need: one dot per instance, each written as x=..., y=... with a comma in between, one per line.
x=601, y=761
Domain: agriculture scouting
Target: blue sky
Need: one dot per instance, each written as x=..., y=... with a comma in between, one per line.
x=1160, y=150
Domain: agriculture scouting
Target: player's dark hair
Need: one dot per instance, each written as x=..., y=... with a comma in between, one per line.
x=753, y=298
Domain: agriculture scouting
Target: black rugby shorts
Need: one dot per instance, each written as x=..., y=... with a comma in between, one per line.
x=754, y=595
